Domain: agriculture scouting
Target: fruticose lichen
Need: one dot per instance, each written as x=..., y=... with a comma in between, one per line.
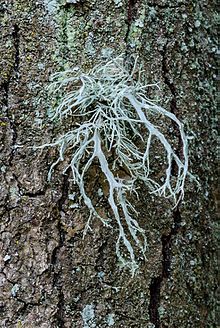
x=115, y=119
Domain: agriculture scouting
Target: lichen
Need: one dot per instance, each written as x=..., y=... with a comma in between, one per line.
x=88, y=316
x=115, y=119
x=110, y=319
x=51, y=6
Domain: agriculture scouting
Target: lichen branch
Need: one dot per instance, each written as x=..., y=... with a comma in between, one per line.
x=116, y=116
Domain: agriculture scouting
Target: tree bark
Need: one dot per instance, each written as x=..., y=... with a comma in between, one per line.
x=50, y=275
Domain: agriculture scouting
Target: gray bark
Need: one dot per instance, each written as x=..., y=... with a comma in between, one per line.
x=50, y=276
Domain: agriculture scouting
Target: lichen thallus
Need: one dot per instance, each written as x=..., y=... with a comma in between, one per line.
x=114, y=116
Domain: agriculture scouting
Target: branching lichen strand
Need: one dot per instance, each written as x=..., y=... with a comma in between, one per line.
x=113, y=106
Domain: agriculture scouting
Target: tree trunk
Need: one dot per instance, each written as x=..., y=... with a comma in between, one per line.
x=50, y=275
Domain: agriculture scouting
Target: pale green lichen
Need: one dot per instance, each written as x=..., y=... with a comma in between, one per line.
x=51, y=5
x=115, y=121
x=15, y=289
x=110, y=319
x=88, y=316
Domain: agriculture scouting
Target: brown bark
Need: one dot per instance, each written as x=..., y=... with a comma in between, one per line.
x=50, y=276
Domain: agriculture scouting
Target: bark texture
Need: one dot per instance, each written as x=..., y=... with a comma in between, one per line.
x=49, y=275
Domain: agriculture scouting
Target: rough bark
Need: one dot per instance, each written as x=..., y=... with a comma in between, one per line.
x=50, y=276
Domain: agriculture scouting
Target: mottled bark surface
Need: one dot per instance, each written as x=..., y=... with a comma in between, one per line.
x=49, y=275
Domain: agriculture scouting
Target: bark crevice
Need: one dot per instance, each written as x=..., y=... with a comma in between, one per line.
x=56, y=265
x=166, y=240
x=16, y=42
x=156, y=283
x=6, y=89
